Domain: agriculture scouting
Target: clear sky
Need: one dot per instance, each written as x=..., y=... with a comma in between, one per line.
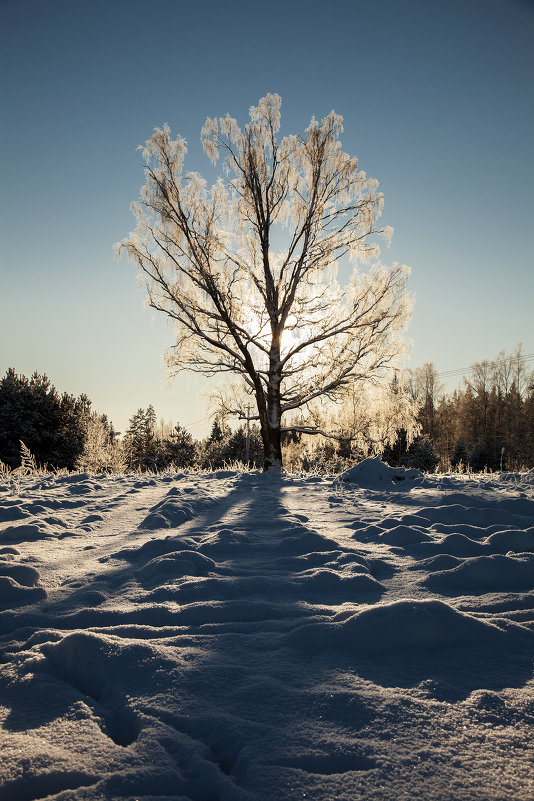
x=438, y=105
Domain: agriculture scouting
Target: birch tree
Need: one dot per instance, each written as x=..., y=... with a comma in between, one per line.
x=247, y=268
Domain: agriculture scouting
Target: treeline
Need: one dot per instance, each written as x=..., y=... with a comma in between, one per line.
x=61, y=431
x=52, y=426
x=151, y=446
x=487, y=424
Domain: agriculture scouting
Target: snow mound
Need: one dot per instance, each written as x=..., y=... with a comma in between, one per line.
x=8, y=551
x=402, y=625
x=9, y=512
x=486, y=573
x=85, y=488
x=23, y=574
x=512, y=540
x=73, y=478
x=328, y=581
x=413, y=520
x=403, y=535
x=170, y=515
x=177, y=564
x=11, y=591
x=373, y=473
x=226, y=539
x=435, y=563
x=176, y=508
x=304, y=541
x=473, y=532
x=455, y=545
x=150, y=549
x=26, y=532
x=477, y=516
x=94, y=518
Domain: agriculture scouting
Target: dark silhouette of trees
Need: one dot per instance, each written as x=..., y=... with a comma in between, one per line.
x=180, y=449
x=52, y=426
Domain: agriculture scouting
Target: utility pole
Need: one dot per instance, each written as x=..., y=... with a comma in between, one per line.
x=247, y=446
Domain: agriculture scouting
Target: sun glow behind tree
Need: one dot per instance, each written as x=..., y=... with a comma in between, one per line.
x=276, y=319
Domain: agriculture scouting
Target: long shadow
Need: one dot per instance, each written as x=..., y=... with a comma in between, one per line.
x=78, y=610
x=453, y=674
x=101, y=588
x=260, y=602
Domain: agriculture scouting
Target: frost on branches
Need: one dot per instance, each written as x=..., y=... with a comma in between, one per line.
x=247, y=268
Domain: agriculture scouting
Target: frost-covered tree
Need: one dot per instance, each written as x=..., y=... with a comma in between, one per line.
x=101, y=452
x=368, y=421
x=247, y=268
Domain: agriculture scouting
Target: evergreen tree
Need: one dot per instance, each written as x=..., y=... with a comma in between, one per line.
x=51, y=425
x=235, y=449
x=217, y=433
x=140, y=441
x=395, y=454
x=459, y=454
x=212, y=456
x=422, y=455
x=428, y=390
x=528, y=416
x=479, y=459
x=180, y=449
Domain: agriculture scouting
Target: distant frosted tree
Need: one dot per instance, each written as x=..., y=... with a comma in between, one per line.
x=101, y=452
x=368, y=421
x=247, y=268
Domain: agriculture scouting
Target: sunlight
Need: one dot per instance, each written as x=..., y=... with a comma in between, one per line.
x=291, y=335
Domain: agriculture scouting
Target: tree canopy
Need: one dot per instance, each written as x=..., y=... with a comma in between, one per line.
x=247, y=268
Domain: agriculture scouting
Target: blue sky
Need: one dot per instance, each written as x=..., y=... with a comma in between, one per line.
x=437, y=103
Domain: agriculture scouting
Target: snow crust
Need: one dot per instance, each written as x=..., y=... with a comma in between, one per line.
x=246, y=637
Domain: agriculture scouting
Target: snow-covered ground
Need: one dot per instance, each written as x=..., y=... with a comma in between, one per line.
x=231, y=637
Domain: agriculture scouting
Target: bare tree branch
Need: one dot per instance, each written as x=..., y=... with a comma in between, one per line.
x=276, y=319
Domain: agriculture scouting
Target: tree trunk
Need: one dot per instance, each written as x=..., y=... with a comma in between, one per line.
x=270, y=428
x=272, y=447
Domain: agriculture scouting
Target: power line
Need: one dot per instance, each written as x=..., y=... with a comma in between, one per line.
x=196, y=423
x=528, y=357
x=510, y=360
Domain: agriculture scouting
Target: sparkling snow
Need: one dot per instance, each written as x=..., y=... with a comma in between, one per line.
x=232, y=637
